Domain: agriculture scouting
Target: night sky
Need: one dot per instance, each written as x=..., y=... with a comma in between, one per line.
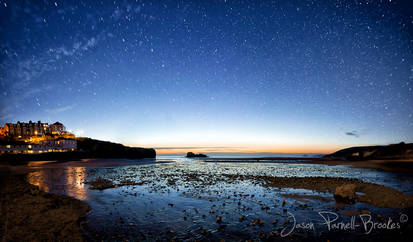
x=276, y=76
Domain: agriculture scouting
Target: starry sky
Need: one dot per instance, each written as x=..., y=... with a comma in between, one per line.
x=214, y=76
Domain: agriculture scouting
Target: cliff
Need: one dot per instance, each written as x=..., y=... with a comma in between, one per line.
x=105, y=149
x=388, y=152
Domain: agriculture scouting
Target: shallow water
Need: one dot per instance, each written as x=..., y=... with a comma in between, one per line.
x=182, y=199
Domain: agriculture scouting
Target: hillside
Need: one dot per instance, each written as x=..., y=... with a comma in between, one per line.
x=388, y=152
x=105, y=149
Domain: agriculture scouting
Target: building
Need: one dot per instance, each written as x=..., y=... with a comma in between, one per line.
x=62, y=145
x=36, y=137
x=57, y=128
x=21, y=129
x=26, y=129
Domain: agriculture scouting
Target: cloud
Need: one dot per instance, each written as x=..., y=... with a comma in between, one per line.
x=353, y=133
x=77, y=48
x=60, y=109
x=18, y=73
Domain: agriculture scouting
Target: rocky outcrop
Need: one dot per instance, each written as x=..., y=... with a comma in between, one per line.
x=191, y=155
x=105, y=149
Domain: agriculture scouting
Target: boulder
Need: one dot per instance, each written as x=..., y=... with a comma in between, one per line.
x=345, y=193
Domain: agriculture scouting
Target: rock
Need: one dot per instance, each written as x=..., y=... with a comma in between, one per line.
x=100, y=184
x=364, y=211
x=191, y=154
x=345, y=193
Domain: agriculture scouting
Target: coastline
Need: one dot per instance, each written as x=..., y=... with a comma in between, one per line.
x=87, y=148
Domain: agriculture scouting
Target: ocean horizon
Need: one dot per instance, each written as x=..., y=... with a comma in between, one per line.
x=246, y=155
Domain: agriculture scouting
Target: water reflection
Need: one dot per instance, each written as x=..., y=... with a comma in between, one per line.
x=68, y=181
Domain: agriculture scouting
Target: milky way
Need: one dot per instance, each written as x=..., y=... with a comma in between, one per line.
x=245, y=74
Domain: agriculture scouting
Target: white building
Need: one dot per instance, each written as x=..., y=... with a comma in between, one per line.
x=62, y=145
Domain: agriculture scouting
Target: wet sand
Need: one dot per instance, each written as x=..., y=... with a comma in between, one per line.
x=29, y=214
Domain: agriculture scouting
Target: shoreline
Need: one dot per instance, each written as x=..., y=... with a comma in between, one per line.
x=389, y=165
x=395, y=166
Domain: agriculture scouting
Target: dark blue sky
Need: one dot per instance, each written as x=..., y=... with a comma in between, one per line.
x=238, y=75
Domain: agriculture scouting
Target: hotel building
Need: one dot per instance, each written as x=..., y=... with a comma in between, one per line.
x=32, y=129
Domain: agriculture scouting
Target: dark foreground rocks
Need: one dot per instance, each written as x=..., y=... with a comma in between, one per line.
x=28, y=214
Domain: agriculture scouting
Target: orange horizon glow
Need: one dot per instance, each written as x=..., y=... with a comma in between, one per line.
x=183, y=149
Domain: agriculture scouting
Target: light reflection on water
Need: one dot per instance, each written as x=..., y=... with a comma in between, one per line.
x=68, y=181
x=147, y=211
